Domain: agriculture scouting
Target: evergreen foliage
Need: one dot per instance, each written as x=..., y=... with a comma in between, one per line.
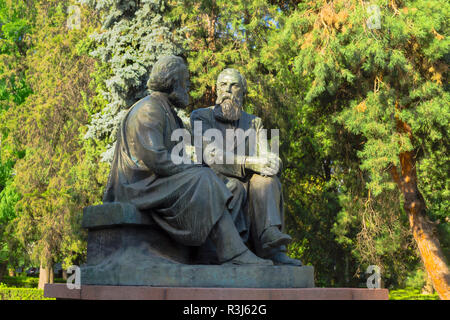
x=134, y=35
x=361, y=81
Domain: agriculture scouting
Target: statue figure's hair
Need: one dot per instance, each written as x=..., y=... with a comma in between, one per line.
x=164, y=73
x=231, y=71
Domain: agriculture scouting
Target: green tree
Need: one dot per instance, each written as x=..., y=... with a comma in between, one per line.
x=223, y=34
x=386, y=88
x=134, y=35
x=15, y=22
x=58, y=175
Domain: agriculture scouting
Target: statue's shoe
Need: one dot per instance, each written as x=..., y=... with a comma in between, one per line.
x=273, y=238
x=249, y=258
x=281, y=258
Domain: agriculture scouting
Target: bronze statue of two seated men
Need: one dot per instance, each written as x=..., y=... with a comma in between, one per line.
x=233, y=212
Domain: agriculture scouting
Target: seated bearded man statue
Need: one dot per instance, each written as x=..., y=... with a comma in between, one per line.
x=188, y=201
x=252, y=178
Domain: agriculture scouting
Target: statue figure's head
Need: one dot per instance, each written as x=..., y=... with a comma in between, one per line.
x=170, y=75
x=231, y=89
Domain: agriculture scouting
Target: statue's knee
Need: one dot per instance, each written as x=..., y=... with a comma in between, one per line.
x=260, y=182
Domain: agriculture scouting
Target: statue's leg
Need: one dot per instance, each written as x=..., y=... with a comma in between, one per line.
x=237, y=206
x=267, y=217
x=266, y=207
x=206, y=253
x=230, y=248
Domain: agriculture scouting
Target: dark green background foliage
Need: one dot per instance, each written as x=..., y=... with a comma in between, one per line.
x=315, y=70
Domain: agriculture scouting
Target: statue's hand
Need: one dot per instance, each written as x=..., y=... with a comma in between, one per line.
x=272, y=165
x=267, y=165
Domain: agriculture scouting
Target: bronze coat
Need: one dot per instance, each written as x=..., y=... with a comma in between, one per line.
x=185, y=200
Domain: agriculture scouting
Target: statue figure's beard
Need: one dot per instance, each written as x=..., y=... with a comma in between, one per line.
x=231, y=107
x=179, y=97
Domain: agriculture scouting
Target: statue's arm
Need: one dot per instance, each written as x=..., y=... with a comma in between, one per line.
x=236, y=169
x=149, y=137
x=258, y=162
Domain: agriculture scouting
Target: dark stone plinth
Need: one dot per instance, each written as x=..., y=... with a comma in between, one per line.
x=111, y=214
x=127, y=272
x=126, y=248
x=115, y=227
x=91, y=292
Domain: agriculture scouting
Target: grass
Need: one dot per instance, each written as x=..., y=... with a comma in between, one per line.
x=411, y=294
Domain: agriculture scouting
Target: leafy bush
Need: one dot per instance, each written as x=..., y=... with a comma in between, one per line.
x=417, y=279
x=25, y=281
x=21, y=282
x=411, y=294
x=21, y=293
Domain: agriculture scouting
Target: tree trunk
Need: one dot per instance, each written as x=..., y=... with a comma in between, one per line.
x=422, y=228
x=3, y=266
x=211, y=29
x=45, y=273
x=346, y=271
x=428, y=287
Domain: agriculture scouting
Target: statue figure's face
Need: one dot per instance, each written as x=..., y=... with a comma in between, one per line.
x=180, y=93
x=230, y=94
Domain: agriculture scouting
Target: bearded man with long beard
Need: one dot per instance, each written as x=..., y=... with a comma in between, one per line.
x=252, y=178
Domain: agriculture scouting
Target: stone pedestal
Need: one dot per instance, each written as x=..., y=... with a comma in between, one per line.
x=179, y=275
x=125, y=247
x=130, y=258
x=91, y=292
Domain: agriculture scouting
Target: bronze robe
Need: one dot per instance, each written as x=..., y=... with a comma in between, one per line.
x=185, y=200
